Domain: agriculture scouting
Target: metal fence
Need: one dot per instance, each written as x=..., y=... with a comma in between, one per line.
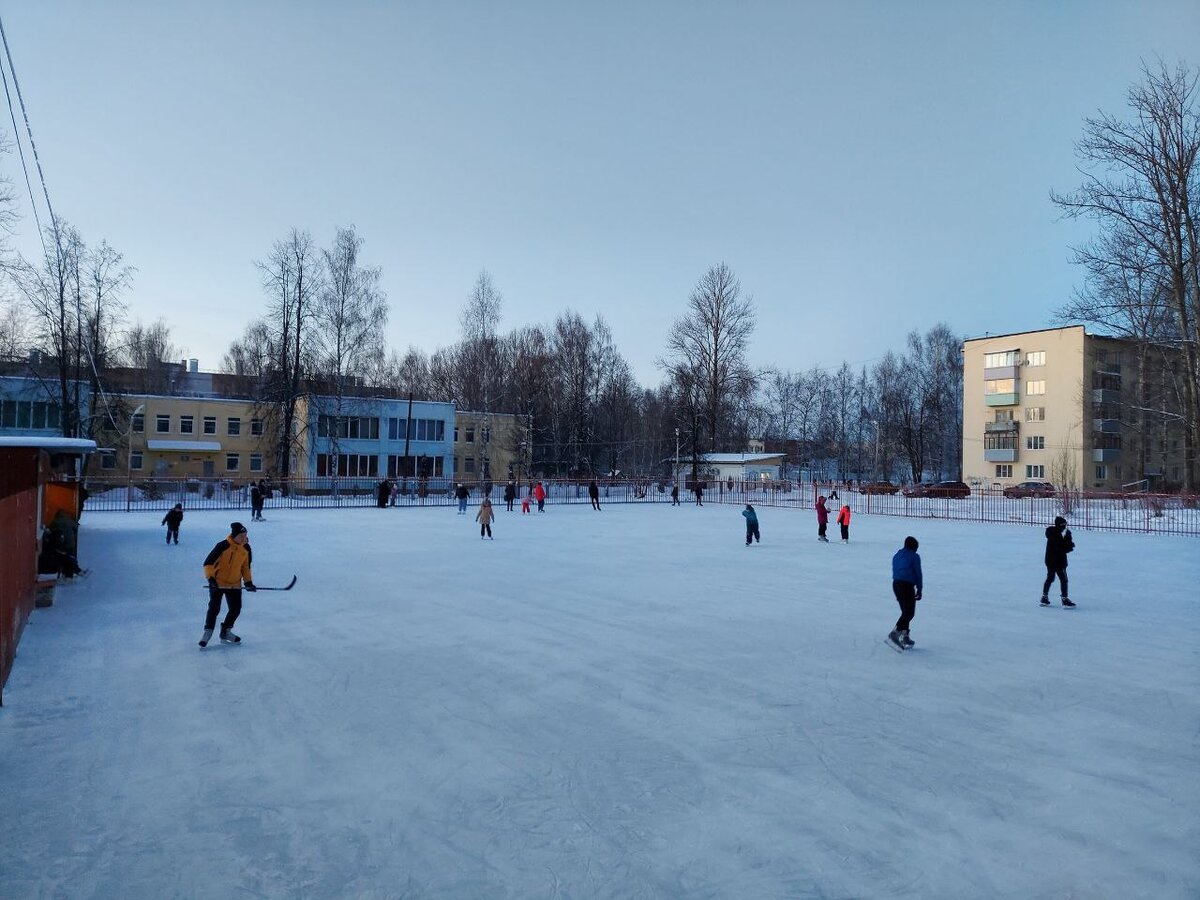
x=1134, y=512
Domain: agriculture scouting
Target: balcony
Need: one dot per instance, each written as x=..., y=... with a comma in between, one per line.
x=1106, y=426
x=1006, y=455
x=1001, y=399
x=999, y=372
x=1105, y=455
x=1011, y=426
x=1105, y=395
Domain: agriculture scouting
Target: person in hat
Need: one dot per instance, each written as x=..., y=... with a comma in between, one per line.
x=172, y=520
x=227, y=568
x=906, y=585
x=461, y=494
x=484, y=517
x=751, y=524
x=822, y=519
x=1058, y=544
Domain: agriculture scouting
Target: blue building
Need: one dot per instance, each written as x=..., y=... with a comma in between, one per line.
x=369, y=438
x=30, y=406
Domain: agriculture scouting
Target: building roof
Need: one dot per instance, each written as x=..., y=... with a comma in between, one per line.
x=57, y=444
x=185, y=446
x=741, y=457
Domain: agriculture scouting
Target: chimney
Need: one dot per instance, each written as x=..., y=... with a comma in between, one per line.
x=193, y=365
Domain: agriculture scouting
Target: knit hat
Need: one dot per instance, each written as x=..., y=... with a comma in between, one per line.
x=236, y=528
x=910, y=543
x=1059, y=520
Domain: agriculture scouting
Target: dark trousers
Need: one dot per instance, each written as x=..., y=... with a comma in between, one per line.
x=821, y=526
x=542, y=505
x=906, y=596
x=751, y=532
x=172, y=534
x=255, y=512
x=508, y=504
x=1052, y=572
x=595, y=503
x=485, y=528
x=234, y=596
x=845, y=532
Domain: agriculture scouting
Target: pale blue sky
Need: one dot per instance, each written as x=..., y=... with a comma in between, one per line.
x=865, y=168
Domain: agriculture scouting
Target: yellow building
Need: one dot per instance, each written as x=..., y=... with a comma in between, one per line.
x=1067, y=407
x=491, y=446
x=192, y=437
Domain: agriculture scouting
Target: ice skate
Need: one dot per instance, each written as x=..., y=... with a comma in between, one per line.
x=906, y=641
x=205, y=638
x=1045, y=601
x=894, y=641
x=1067, y=604
x=228, y=637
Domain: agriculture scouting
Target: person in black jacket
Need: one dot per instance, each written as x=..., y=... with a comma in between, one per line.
x=1058, y=544
x=594, y=494
x=382, y=493
x=172, y=520
x=510, y=494
x=256, y=501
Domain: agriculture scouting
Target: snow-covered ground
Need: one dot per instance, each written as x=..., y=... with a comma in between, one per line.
x=621, y=704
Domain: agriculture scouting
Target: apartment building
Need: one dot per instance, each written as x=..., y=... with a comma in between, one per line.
x=1068, y=407
x=491, y=446
x=190, y=437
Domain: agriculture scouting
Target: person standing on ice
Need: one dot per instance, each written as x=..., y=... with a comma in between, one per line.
x=461, y=493
x=484, y=518
x=822, y=520
x=906, y=585
x=594, y=494
x=1058, y=544
x=256, y=501
x=675, y=494
x=383, y=493
x=751, y=524
x=172, y=520
x=510, y=494
x=227, y=568
x=843, y=520
x=539, y=494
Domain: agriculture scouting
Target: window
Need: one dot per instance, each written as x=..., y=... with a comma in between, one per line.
x=185, y=424
x=486, y=434
x=108, y=460
x=210, y=424
x=999, y=360
x=255, y=462
x=233, y=426
x=1003, y=415
x=1035, y=471
x=1033, y=388
x=1000, y=441
x=162, y=424
x=138, y=423
x=1035, y=442
x=232, y=462
x=1101, y=473
x=1035, y=414
x=469, y=464
x=135, y=460
x=350, y=465
x=1004, y=471
x=349, y=427
x=470, y=434
x=1000, y=386
x=1035, y=358
x=256, y=427
x=456, y=434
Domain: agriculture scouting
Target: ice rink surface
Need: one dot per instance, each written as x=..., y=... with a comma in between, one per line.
x=623, y=704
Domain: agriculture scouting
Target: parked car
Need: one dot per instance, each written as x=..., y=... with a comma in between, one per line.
x=1030, y=489
x=878, y=487
x=954, y=489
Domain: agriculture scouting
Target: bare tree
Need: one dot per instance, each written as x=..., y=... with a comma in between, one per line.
x=1141, y=181
x=706, y=351
x=480, y=380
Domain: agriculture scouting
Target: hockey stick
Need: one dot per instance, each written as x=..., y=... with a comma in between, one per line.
x=291, y=584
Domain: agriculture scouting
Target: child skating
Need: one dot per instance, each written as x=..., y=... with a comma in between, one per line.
x=484, y=518
x=172, y=520
x=906, y=585
x=227, y=568
x=1058, y=544
x=822, y=520
x=751, y=524
x=843, y=520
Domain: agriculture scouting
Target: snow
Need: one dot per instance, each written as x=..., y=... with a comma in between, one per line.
x=623, y=704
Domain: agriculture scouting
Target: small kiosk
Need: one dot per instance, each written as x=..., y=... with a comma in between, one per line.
x=38, y=477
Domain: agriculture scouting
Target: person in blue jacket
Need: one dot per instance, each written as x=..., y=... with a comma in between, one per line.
x=906, y=585
x=751, y=524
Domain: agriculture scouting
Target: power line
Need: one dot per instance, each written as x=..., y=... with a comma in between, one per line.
x=32, y=144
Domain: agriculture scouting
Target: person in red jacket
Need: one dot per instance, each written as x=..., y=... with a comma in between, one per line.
x=822, y=520
x=539, y=494
x=844, y=521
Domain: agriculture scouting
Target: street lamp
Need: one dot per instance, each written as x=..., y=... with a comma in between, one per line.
x=129, y=457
